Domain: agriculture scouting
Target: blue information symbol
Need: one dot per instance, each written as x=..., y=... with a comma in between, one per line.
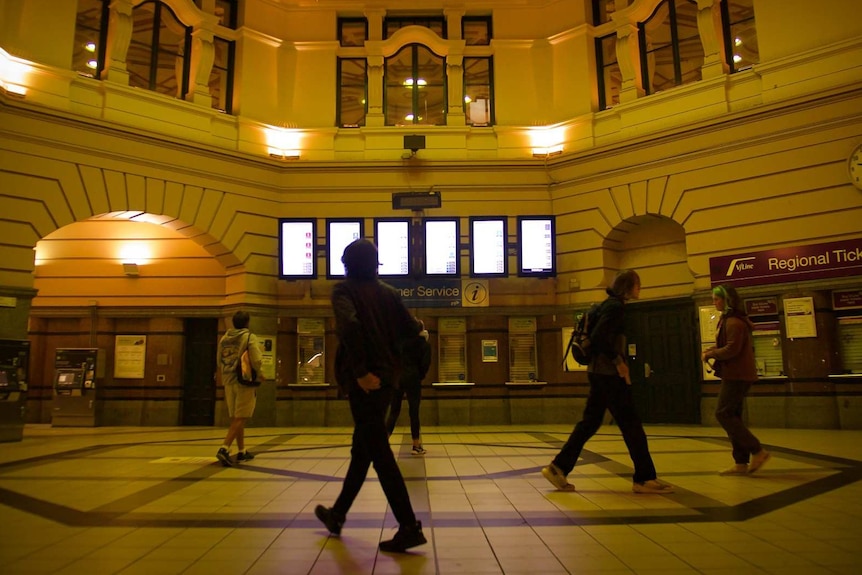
x=475, y=293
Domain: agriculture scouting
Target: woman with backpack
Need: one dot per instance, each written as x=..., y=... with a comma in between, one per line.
x=610, y=383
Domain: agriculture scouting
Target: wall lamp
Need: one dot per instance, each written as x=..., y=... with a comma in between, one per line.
x=13, y=72
x=547, y=152
x=283, y=143
x=130, y=269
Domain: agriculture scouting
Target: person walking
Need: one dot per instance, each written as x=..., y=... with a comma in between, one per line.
x=417, y=360
x=372, y=324
x=733, y=362
x=240, y=399
x=610, y=382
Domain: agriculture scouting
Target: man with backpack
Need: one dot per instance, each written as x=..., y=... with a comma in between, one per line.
x=610, y=383
x=240, y=399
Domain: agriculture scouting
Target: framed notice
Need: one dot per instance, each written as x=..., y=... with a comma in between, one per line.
x=709, y=317
x=489, y=351
x=799, y=317
x=130, y=354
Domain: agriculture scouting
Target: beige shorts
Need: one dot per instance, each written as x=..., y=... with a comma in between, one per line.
x=240, y=400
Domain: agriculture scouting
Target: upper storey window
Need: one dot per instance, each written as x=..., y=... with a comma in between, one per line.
x=433, y=23
x=352, y=31
x=476, y=30
x=159, y=52
x=91, y=32
x=740, y=34
x=671, y=51
x=415, y=87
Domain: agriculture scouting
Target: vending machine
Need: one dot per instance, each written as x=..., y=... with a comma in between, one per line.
x=14, y=365
x=77, y=401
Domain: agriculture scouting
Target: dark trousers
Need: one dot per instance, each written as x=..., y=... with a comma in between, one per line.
x=609, y=392
x=371, y=447
x=728, y=412
x=414, y=396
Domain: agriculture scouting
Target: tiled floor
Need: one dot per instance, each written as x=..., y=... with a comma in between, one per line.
x=155, y=501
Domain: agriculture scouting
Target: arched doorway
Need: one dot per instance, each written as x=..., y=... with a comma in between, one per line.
x=661, y=327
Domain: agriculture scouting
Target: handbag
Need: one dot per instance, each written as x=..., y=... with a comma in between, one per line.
x=245, y=373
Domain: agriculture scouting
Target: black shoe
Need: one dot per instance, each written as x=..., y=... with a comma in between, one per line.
x=331, y=518
x=244, y=456
x=223, y=455
x=404, y=539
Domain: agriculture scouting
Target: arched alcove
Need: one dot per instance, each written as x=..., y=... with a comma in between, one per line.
x=655, y=246
x=130, y=259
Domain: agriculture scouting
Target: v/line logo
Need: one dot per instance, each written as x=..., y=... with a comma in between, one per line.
x=738, y=264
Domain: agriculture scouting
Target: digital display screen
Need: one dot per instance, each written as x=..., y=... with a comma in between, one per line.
x=488, y=247
x=297, y=249
x=536, y=246
x=339, y=235
x=392, y=237
x=442, y=256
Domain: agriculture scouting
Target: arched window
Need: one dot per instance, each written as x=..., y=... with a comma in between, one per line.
x=671, y=51
x=415, y=87
x=91, y=32
x=157, y=58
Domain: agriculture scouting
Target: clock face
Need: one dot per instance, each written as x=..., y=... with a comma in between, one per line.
x=855, y=167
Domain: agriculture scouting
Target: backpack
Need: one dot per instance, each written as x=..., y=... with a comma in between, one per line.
x=580, y=346
x=245, y=373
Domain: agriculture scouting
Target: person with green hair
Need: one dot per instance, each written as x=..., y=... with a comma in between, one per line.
x=733, y=361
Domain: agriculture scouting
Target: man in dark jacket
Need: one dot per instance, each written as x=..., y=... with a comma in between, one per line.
x=372, y=324
x=417, y=360
x=610, y=388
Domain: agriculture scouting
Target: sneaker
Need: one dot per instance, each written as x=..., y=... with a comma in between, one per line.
x=223, y=455
x=404, y=539
x=652, y=486
x=331, y=518
x=737, y=469
x=418, y=450
x=244, y=456
x=758, y=460
x=557, y=478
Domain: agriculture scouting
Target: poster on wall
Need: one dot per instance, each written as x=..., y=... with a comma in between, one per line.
x=708, y=322
x=130, y=353
x=489, y=350
x=799, y=317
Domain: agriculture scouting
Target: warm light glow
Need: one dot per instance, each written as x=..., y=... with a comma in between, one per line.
x=13, y=74
x=737, y=58
x=467, y=99
x=737, y=41
x=409, y=117
x=90, y=46
x=547, y=141
x=420, y=82
x=283, y=143
x=92, y=64
x=134, y=253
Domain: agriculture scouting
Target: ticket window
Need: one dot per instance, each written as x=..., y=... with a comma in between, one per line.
x=768, y=356
x=452, y=350
x=850, y=344
x=522, y=350
x=311, y=364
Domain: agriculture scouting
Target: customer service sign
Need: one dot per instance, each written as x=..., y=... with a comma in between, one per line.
x=798, y=263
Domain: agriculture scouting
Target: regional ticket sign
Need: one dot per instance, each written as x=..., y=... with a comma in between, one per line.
x=793, y=264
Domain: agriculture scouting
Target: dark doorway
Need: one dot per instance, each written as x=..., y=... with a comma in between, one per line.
x=665, y=362
x=199, y=365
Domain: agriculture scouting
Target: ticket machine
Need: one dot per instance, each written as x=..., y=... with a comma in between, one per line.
x=76, y=393
x=14, y=364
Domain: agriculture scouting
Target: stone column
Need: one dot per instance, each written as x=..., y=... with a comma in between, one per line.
x=709, y=27
x=119, y=37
